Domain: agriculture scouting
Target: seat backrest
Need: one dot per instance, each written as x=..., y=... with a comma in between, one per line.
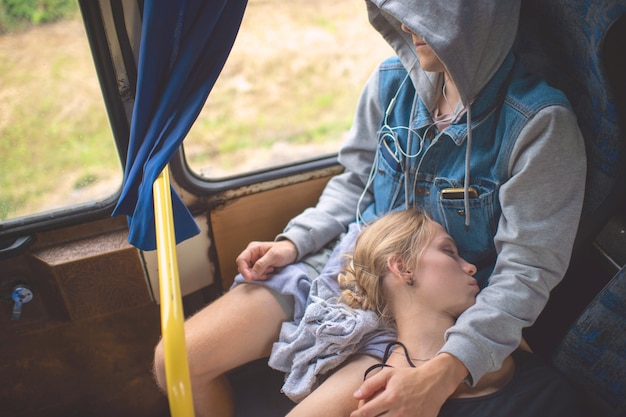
x=593, y=353
x=564, y=41
x=577, y=46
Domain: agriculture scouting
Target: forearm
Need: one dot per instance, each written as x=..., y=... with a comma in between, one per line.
x=454, y=371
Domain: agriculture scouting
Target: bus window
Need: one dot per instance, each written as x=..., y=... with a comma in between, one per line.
x=55, y=139
x=289, y=88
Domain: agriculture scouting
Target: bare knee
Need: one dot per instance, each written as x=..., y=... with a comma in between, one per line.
x=158, y=367
x=221, y=337
x=197, y=377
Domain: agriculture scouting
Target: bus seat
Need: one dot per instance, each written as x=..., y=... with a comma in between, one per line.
x=593, y=353
x=567, y=42
x=577, y=46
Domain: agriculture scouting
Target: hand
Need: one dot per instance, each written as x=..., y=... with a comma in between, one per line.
x=260, y=259
x=410, y=392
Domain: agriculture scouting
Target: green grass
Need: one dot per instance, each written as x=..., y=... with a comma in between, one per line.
x=54, y=132
x=294, y=78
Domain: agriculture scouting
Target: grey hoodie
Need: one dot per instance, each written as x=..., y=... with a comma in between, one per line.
x=541, y=203
x=471, y=39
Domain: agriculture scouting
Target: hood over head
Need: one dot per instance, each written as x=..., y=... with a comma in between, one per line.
x=470, y=37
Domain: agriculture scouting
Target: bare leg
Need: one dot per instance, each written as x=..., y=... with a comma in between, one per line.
x=334, y=397
x=239, y=327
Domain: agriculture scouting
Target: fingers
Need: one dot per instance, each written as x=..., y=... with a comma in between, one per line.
x=248, y=259
x=408, y=391
x=371, y=403
x=375, y=407
x=259, y=260
x=372, y=385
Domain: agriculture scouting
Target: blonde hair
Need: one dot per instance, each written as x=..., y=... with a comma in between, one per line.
x=403, y=234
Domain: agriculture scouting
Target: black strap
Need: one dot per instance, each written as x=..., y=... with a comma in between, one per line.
x=388, y=352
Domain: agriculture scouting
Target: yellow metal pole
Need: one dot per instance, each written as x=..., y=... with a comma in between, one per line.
x=172, y=315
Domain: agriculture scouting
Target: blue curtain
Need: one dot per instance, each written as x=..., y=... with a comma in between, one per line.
x=184, y=46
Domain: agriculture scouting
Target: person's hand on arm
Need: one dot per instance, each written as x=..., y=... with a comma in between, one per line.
x=259, y=259
x=411, y=392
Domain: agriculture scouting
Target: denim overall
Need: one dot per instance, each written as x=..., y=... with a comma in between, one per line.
x=419, y=163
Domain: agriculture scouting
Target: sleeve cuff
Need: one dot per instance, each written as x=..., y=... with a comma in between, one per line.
x=477, y=359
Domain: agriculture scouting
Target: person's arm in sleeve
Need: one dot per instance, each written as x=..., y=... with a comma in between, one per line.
x=541, y=206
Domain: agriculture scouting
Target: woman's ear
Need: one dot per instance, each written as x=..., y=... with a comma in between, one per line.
x=394, y=263
x=397, y=267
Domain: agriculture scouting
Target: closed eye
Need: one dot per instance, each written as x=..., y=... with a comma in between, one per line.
x=447, y=246
x=450, y=250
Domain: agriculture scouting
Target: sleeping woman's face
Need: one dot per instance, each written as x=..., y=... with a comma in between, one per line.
x=443, y=280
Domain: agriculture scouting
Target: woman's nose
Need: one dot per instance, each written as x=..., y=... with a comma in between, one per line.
x=469, y=268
